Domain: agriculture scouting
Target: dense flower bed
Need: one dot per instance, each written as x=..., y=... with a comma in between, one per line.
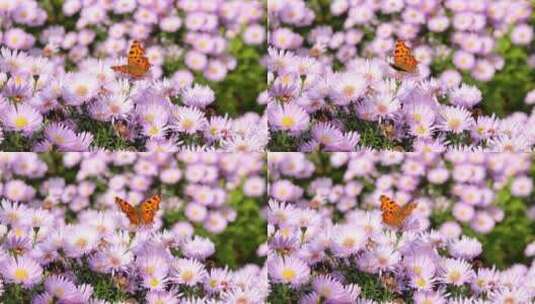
x=47, y=108
x=478, y=51
x=370, y=104
x=58, y=90
x=198, y=33
x=467, y=31
x=467, y=241
x=64, y=239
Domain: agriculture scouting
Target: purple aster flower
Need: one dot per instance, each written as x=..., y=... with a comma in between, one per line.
x=22, y=118
x=289, y=270
x=288, y=117
x=522, y=186
x=82, y=143
x=21, y=270
x=429, y=297
x=464, y=60
x=522, y=34
x=456, y=272
x=465, y=96
x=60, y=287
x=198, y=248
x=455, y=119
x=347, y=88
x=60, y=135
x=18, y=88
x=154, y=297
x=348, y=240
x=466, y=248
x=17, y=38
x=188, y=272
x=219, y=280
x=188, y=120
x=79, y=88
x=327, y=134
x=198, y=96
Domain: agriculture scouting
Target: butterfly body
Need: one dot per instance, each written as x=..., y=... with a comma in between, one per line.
x=137, y=65
x=394, y=214
x=403, y=59
x=143, y=214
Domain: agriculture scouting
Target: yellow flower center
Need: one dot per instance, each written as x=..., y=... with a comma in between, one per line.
x=455, y=276
x=21, y=122
x=13, y=217
x=18, y=80
x=153, y=131
x=421, y=130
x=154, y=282
x=212, y=283
x=288, y=274
x=287, y=122
x=187, y=275
x=187, y=123
x=81, y=243
x=455, y=123
x=348, y=91
x=348, y=243
x=81, y=91
x=420, y=282
x=59, y=292
x=21, y=274
x=324, y=139
x=58, y=139
x=286, y=79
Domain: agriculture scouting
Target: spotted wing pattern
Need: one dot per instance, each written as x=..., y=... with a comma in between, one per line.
x=128, y=209
x=393, y=214
x=403, y=58
x=144, y=214
x=137, y=65
x=148, y=209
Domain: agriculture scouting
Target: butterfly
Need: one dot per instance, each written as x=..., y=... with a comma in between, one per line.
x=403, y=59
x=123, y=130
x=137, y=65
x=143, y=214
x=393, y=214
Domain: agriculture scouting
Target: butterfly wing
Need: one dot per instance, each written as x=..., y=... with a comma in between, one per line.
x=406, y=211
x=136, y=51
x=403, y=58
x=137, y=61
x=393, y=214
x=390, y=211
x=148, y=209
x=128, y=209
x=137, y=64
x=139, y=68
x=120, y=68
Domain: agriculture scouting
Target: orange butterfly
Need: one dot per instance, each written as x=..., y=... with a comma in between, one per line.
x=393, y=214
x=144, y=214
x=138, y=64
x=403, y=59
